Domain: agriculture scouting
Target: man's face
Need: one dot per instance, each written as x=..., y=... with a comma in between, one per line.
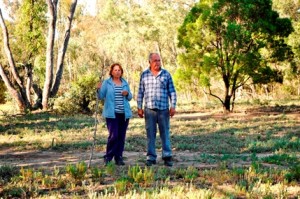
x=155, y=62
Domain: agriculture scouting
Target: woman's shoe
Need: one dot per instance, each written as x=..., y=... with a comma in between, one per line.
x=106, y=161
x=119, y=161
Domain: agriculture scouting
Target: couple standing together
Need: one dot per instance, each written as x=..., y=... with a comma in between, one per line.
x=157, y=91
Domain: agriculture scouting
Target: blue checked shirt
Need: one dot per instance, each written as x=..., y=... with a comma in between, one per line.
x=156, y=91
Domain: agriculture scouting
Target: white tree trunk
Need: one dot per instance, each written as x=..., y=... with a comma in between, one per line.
x=52, y=11
x=62, y=52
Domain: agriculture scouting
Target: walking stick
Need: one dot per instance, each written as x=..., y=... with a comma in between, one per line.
x=96, y=120
x=95, y=130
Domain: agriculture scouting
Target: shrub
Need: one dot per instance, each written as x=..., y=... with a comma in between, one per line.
x=77, y=172
x=97, y=175
x=294, y=174
x=2, y=92
x=8, y=171
x=80, y=97
x=139, y=176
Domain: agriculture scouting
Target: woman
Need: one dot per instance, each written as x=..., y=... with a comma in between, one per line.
x=116, y=94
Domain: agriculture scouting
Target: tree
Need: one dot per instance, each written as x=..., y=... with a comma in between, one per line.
x=290, y=8
x=20, y=84
x=233, y=41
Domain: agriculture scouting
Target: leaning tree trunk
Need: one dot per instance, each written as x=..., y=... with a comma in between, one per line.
x=63, y=50
x=12, y=90
x=20, y=97
x=52, y=9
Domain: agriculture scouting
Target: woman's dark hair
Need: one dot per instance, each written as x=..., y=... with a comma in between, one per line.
x=112, y=68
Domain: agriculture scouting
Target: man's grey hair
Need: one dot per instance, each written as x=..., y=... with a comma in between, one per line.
x=150, y=55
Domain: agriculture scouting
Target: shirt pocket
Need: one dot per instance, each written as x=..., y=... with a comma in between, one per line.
x=163, y=82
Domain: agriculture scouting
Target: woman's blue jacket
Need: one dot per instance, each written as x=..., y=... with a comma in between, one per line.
x=107, y=93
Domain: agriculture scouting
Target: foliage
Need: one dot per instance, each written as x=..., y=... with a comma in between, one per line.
x=77, y=172
x=2, y=92
x=122, y=185
x=191, y=173
x=81, y=96
x=125, y=32
x=293, y=174
x=282, y=159
x=97, y=174
x=110, y=168
x=30, y=31
x=141, y=176
x=7, y=172
x=220, y=163
x=27, y=175
x=13, y=192
x=225, y=41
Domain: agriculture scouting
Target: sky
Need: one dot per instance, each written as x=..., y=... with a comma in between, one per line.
x=90, y=6
x=4, y=13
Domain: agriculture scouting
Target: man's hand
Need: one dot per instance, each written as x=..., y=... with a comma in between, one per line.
x=141, y=113
x=172, y=112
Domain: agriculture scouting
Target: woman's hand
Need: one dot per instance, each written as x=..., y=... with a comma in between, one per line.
x=124, y=93
x=99, y=85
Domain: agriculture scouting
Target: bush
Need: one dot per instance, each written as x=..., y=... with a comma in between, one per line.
x=294, y=174
x=81, y=97
x=2, y=92
x=7, y=172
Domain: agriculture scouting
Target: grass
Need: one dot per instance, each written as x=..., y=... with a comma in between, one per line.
x=252, y=153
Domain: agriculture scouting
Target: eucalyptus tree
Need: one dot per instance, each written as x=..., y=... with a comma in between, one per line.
x=166, y=17
x=31, y=31
x=233, y=41
x=290, y=8
x=26, y=46
x=126, y=31
x=131, y=29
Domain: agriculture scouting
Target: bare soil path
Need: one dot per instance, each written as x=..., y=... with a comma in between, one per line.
x=49, y=159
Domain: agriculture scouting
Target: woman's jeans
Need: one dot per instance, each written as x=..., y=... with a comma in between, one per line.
x=162, y=118
x=116, y=140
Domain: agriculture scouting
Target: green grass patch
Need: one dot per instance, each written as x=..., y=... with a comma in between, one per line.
x=238, y=155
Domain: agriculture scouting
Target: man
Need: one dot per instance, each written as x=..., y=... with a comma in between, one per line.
x=157, y=88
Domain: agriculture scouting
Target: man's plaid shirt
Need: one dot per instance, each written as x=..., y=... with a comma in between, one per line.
x=156, y=91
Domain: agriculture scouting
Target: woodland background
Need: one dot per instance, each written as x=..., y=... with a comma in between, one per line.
x=53, y=53
x=59, y=51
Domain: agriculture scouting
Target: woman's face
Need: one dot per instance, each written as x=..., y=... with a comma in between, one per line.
x=116, y=72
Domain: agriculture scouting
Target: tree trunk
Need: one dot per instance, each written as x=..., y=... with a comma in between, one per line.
x=8, y=51
x=21, y=98
x=22, y=94
x=13, y=91
x=61, y=56
x=28, y=71
x=52, y=11
x=226, y=103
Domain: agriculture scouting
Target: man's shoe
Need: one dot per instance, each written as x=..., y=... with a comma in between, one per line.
x=149, y=163
x=120, y=161
x=168, y=161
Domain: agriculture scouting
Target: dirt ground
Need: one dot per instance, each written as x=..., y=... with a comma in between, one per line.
x=49, y=159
